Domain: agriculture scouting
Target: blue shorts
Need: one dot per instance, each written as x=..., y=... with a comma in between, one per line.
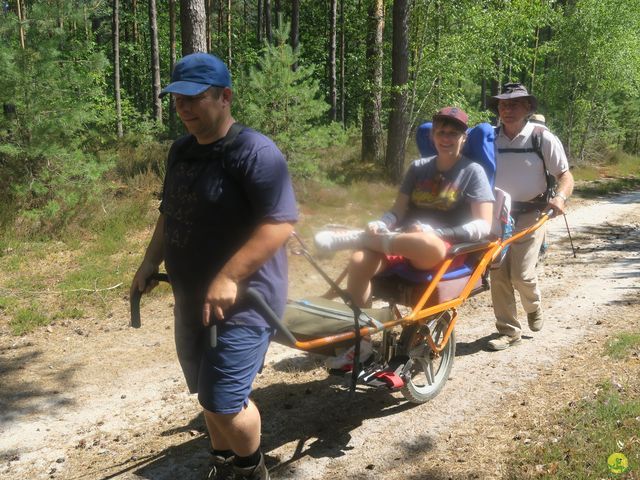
x=227, y=372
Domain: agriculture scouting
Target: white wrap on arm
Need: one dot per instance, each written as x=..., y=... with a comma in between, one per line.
x=477, y=229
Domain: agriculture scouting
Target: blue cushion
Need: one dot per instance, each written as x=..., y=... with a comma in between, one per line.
x=405, y=271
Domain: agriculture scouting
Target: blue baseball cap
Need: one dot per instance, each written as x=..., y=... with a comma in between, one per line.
x=196, y=72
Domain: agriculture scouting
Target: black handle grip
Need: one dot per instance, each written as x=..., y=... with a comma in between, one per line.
x=270, y=315
x=136, y=295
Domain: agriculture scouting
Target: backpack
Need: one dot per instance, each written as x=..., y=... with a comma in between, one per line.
x=536, y=147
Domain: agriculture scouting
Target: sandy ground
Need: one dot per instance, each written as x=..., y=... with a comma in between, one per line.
x=94, y=399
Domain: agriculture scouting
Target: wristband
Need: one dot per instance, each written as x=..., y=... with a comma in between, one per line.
x=562, y=196
x=389, y=219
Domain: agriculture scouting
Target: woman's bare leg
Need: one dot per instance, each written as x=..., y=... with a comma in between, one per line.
x=424, y=250
x=363, y=266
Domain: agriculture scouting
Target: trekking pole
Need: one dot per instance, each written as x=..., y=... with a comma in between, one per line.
x=569, y=233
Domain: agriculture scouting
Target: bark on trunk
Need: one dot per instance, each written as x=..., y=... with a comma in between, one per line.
x=267, y=20
x=172, y=62
x=295, y=27
x=155, y=62
x=398, y=119
x=116, y=65
x=229, y=46
x=332, y=60
x=372, y=135
x=193, y=23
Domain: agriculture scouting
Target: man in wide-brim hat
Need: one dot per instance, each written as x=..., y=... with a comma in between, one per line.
x=521, y=171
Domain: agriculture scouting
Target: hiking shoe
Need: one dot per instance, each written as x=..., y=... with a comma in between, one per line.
x=221, y=468
x=328, y=241
x=536, y=320
x=345, y=360
x=503, y=342
x=255, y=472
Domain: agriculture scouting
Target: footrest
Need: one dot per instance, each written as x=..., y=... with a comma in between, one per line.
x=391, y=379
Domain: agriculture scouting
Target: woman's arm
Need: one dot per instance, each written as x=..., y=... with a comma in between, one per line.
x=474, y=230
x=400, y=206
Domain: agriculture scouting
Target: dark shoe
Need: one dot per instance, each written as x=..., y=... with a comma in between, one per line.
x=221, y=468
x=255, y=472
x=503, y=342
x=536, y=320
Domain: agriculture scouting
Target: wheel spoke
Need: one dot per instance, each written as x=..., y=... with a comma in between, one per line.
x=428, y=371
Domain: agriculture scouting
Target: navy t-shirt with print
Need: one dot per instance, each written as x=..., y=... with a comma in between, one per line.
x=214, y=197
x=443, y=199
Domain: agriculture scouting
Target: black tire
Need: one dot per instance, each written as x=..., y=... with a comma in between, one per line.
x=426, y=373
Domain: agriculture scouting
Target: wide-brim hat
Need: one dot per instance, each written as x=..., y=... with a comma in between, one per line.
x=455, y=114
x=509, y=91
x=195, y=73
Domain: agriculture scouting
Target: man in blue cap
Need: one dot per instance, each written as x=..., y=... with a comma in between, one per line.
x=227, y=210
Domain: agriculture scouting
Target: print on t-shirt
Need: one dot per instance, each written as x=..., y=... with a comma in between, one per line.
x=435, y=193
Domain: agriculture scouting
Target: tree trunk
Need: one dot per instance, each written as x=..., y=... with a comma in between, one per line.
x=116, y=65
x=535, y=61
x=277, y=9
x=332, y=59
x=342, y=66
x=155, y=62
x=372, y=136
x=295, y=27
x=219, y=26
x=267, y=20
x=259, y=26
x=398, y=118
x=134, y=12
x=21, y=18
x=192, y=21
x=483, y=94
x=208, y=4
x=172, y=62
x=136, y=83
x=229, y=52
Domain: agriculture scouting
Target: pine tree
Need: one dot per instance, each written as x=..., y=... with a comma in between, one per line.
x=283, y=103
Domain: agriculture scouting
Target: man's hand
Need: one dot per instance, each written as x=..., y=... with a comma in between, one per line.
x=141, y=282
x=557, y=204
x=221, y=295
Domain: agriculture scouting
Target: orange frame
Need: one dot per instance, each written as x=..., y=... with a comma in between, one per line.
x=419, y=312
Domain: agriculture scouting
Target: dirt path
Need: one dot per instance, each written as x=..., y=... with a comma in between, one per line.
x=93, y=399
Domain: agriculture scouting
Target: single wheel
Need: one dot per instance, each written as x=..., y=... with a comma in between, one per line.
x=426, y=373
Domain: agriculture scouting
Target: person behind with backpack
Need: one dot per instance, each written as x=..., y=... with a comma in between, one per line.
x=533, y=168
x=227, y=210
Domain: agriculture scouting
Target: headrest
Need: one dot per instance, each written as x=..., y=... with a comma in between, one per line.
x=479, y=147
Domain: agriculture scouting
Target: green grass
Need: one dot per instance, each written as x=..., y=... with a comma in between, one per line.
x=623, y=344
x=587, y=173
x=575, y=442
x=83, y=283
x=604, y=187
x=27, y=319
x=620, y=173
x=69, y=312
x=592, y=430
x=7, y=304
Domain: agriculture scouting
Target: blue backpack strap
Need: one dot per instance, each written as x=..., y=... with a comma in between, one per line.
x=424, y=140
x=479, y=147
